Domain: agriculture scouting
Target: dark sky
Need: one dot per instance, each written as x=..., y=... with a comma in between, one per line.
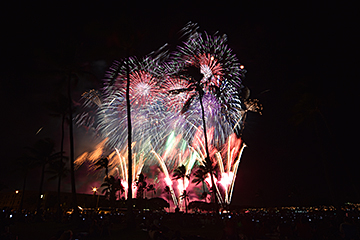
x=294, y=53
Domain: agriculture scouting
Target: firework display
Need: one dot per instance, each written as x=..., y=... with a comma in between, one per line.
x=166, y=93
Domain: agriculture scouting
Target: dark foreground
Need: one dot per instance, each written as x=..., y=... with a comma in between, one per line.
x=259, y=224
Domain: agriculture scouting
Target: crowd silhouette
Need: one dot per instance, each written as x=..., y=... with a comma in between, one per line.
x=251, y=225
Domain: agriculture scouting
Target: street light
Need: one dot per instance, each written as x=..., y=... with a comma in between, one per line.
x=94, y=189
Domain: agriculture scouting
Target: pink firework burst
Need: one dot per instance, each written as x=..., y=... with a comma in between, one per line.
x=210, y=68
x=143, y=88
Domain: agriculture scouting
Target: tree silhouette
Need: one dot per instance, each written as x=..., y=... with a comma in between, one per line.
x=141, y=186
x=111, y=186
x=180, y=173
x=103, y=163
x=43, y=153
x=168, y=191
x=310, y=111
x=185, y=197
x=193, y=75
x=59, y=108
x=151, y=188
x=58, y=170
x=24, y=164
x=199, y=177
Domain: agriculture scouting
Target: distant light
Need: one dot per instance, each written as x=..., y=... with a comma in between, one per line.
x=17, y=191
x=10, y=215
x=42, y=195
x=38, y=131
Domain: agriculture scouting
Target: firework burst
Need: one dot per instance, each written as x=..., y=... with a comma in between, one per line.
x=166, y=115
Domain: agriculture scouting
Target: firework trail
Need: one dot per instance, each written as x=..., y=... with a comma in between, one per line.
x=232, y=153
x=167, y=177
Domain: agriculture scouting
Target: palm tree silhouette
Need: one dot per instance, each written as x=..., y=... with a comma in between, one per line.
x=111, y=186
x=167, y=190
x=185, y=196
x=199, y=177
x=151, y=188
x=43, y=152
x=58, y=170
x=194, y=77
x=141, y=185
x=180, y=173
x=24, y=164
x=103, y=163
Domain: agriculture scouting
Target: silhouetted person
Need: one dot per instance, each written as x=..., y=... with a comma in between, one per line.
x=348, y=230
x=230, y=232
x=303, y=229
x=67, y=235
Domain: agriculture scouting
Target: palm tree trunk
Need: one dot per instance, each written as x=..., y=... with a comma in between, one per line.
x=203, y=187
x=129, y=200
x=72, y=158
x=58, y=198
x=208, y=161
x=61, y=159
x=40, y=190
x=23, y=190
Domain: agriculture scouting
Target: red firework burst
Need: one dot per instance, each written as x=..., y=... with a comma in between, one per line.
x=143, y=87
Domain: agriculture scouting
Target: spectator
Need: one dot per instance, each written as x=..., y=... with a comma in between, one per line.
x=348, y=230
x=67, y=235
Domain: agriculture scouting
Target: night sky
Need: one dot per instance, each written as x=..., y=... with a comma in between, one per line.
x=299, y=64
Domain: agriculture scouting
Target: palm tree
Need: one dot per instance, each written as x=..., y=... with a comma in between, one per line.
x=24, y=163
x=59, y=108
x=310, y=105
x=43, y=152
x=111, y=185
x=58, y=170
x=180, y=173
x=185, y=196
x=193, y=75
x=151, y=189
x=103, y=163
x=199, y=177
x=141, y=186
x=167, y=190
